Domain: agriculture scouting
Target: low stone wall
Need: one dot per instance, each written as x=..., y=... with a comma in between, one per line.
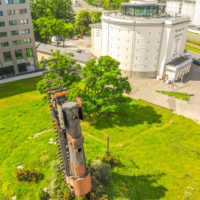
x=180, y=107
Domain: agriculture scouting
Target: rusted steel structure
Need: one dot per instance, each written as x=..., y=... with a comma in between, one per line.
x=66, y=120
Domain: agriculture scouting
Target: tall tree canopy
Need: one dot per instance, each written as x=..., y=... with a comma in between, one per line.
x=95, y=17
x=60, y=9
x=102, y=86
x=83, y=21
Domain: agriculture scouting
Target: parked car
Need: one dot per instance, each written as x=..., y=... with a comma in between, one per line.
x=79, y=50
x=80, y=37
x=196, y=61
x=188, y=56
x=74, y=38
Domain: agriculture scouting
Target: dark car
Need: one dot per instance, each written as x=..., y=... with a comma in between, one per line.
x=196, y=61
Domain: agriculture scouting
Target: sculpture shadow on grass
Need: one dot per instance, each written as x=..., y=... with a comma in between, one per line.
x=141, y=187
x=128, y=115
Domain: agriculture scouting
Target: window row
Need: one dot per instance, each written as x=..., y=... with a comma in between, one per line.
x=14, y=22
x=15, y=32
x=18, y=54
x=11, y=1
x=16, y=42
x=12, y=12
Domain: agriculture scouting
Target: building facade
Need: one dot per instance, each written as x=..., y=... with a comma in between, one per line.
x=187, y=8
x=17, y=50
x=144, y=42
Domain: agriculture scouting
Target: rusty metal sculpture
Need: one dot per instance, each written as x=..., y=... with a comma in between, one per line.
x=66, y=123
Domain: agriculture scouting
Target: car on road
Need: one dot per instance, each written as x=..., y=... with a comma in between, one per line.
x=196, y=61
x=188, y=56
x=74, y=38
x=79, y=50
x=80, y=37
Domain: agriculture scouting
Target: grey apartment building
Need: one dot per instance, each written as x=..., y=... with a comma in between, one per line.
x=17, y=43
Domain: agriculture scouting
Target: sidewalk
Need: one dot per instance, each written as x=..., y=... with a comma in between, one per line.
x=15, y=78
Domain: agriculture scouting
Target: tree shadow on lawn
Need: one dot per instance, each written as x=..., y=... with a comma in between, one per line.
x=129, y=115
x=141, y=187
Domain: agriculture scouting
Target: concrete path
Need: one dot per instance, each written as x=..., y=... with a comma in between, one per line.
x=145, y=89
x=15, y=78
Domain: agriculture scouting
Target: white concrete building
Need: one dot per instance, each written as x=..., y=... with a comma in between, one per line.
x=144, y=42
x=185, y=8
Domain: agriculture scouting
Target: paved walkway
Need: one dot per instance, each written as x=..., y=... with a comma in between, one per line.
x=15, y=78
x=145, y=89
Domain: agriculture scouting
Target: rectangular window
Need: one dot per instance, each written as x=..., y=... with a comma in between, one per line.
x=3, y=34
x=16, y=42
x=4, y=44
x=22, y=67
x=9, y=1
x=25, y=31
x=20, y=1
x=29, y=52
x=13, y=22
x=24, y=21
x=7, y=56
x=14, y=32
x=1, y=13
x=18, y=54
x=22, y=11
x=27, y=40
x=2, y=24
x=10, y=12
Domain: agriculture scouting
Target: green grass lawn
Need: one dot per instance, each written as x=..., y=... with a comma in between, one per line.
x=190, y=48
x=159, y=151
x=193, y=42
x=177, y=95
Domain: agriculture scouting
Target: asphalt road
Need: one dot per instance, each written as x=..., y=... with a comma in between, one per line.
x=83, y=5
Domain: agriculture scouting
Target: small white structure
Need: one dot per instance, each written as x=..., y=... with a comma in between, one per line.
x=143, y=41
x=187, y=8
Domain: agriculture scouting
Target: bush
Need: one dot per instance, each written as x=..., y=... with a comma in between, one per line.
x=28, y=175
x=58, y=188
x=44, y=195
x=110, y=159
x=101, y=174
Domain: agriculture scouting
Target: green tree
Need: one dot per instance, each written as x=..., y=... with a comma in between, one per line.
x=95, y=17
x=43, y=27
x=60, y=9
x=67, y=31
x=58, y=28
x=102, y=86
x=68, y=71
x=83, y=21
